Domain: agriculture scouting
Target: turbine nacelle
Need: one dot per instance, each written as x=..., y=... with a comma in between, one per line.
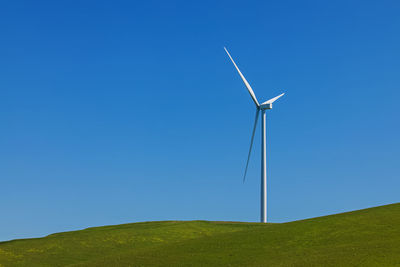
x=266, y=106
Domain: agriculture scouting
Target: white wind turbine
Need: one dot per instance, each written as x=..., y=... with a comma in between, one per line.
x=263, y=107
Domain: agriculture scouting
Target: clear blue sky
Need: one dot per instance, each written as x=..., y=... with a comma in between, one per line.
x=122, y=111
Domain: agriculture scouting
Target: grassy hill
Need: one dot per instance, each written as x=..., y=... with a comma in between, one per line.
x=369, y=237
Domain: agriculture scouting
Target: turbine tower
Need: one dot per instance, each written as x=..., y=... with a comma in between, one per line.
x=260, y=108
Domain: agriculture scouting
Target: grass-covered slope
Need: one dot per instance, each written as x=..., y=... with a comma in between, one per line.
x=369, y=237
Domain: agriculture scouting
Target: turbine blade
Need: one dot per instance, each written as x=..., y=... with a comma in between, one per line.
x=272, y=100
x=251, y=144
x=253, y=96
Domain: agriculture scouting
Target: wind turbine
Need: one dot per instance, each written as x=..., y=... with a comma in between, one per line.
x=260, y=108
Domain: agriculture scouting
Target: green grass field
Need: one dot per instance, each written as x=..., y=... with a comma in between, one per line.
x=369, y=237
